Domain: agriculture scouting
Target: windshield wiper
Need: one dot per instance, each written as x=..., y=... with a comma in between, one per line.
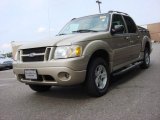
x=61, y=34
x=80, y=31
x=84, y=30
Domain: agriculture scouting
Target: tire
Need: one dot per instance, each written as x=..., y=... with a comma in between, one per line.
x=11, y=67
x=97, y=81
x=146, y=59
x=40, y=88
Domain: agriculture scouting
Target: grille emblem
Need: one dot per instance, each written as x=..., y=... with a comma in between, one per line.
x=31, y=54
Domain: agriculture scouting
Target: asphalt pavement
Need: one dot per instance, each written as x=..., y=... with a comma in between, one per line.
x=134, y=95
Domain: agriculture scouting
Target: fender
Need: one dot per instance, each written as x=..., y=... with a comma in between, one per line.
x=95, y=45
x=144, y=41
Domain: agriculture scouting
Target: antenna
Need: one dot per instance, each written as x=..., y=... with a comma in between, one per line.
x=49, y=26
x=99, y=5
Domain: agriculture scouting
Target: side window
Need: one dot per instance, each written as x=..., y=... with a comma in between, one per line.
x=130, y=24
x=117, y=20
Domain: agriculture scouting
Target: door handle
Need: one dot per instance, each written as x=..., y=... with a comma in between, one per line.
x=131, y=41
x=127, y=38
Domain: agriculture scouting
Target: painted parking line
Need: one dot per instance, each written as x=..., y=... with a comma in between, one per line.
x=3, y=85
x=7, y=78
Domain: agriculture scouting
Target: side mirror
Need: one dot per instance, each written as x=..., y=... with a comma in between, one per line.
x=117, y=29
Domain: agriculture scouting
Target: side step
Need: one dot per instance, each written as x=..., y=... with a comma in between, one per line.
x=126, y=69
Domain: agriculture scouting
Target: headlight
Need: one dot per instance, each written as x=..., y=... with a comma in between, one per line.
x=68, y=52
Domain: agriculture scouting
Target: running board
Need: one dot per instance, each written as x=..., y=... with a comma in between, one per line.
x=126, y=69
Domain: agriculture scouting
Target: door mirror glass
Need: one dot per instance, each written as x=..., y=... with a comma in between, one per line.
x=118, y=29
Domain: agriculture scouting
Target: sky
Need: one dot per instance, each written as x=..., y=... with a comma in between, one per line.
x=34, y=20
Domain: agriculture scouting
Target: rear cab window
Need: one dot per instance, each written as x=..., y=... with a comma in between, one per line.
x=130, y=24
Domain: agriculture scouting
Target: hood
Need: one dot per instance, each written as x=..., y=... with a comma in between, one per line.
x=67, y=39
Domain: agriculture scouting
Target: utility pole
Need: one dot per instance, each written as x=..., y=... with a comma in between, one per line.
x=99, y=5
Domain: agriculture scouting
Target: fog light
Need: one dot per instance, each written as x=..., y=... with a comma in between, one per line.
x=67, y=75
x=64, y=76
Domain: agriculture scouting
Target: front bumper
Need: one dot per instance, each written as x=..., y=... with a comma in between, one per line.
x=53, y=72
x=75, y=77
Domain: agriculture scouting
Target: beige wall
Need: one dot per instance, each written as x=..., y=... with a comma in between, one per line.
x=15, y=47
x=154, y=30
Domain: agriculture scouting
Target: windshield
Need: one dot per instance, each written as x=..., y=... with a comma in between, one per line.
x=95, y=23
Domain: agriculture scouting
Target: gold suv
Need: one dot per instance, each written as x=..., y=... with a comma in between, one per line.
x=87, y=50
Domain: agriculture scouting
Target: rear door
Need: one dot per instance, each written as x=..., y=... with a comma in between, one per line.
x=135, y=40
x=120, y=42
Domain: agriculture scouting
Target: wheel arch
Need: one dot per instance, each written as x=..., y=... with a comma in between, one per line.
x=99, y=48
x=99, y=53
x=147, y=45
x=146, y=42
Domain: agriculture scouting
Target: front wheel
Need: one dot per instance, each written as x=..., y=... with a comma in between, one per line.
x=146, y=59
x=97, y=77
x=40, y=88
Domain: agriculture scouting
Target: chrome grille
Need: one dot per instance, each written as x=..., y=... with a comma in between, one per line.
x=33, y=59
x=35, y=54
x=34, y=50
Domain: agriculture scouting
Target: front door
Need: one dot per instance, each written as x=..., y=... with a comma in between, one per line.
x=120, y=42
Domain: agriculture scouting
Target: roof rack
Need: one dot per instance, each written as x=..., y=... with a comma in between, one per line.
x=117, y=12
x=73, y=19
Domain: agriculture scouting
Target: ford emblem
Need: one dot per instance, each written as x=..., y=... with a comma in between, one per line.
x=31, y=54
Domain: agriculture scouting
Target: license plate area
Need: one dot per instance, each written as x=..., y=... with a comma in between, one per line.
x=31, y=74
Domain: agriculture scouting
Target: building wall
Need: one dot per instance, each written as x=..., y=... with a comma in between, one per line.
x=15, y=47
x=154, y=30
